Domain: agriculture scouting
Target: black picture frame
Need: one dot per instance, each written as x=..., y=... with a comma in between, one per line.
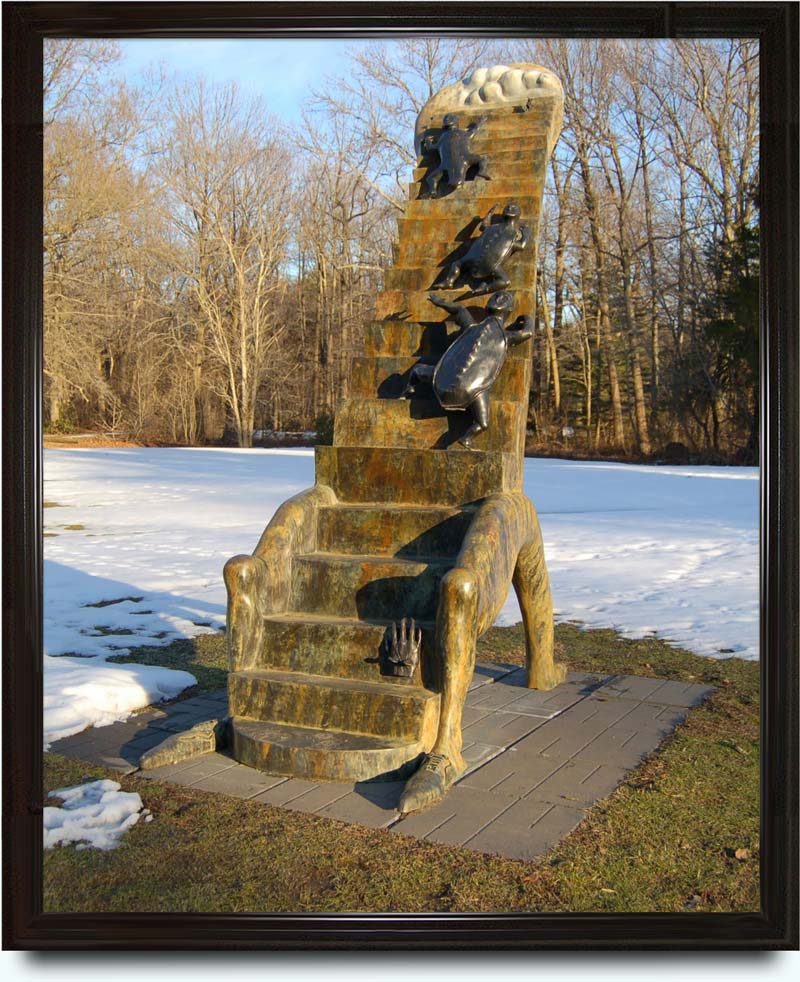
x=25, y=926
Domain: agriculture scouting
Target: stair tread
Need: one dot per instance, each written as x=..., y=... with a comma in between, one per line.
x=383, y=686
x=304, y=617
x=380, y=559
x=309, y=737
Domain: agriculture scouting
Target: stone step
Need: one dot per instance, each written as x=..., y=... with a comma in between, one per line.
x=489, y=194
x=498, y=140
x=321, y=754
x=386, y=708
x=458, y=229
x=414, y=305
x=518, y=267
x=409, y=531
x=435, y=255
x=386, y=377
x=500, y=168
x=422, y=477
x=366, y=587
x=505, y=181
x=420, y=423
x=330, y=645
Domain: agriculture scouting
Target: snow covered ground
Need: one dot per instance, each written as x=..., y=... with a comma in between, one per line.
x=95, y=814
x=136, y=540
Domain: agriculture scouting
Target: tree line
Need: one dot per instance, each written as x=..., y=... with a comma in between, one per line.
x=210, y=270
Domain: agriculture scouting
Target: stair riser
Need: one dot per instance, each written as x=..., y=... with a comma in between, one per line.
x=415, y=305
x=452, y=477
x=434, y=255
x=450, y=208
x=379, y=591
x=390, y=713
x=508, y=164
x=400, y=423
x=386, y=378
x=393, y=532
x=517, y=268
x=457, y=225
x=394, y=763
x=412, y=339
x=337, y=650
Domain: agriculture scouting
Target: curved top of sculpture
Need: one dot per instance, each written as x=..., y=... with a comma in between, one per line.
x=493, y=88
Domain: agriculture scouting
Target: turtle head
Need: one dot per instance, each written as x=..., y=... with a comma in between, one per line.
x=512, y=211
x=500, y=303
x=449, y=121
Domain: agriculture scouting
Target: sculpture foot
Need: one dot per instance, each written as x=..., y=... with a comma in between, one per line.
x=429, y=784
x=547, y=678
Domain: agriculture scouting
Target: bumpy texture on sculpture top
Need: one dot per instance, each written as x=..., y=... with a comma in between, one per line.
x=455, y=155
x=496, y=243
x=493, y=88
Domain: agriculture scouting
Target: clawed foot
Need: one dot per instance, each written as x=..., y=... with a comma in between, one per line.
x=429, y=784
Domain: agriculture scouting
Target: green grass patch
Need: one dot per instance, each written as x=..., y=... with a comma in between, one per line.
x=204, y=656
x=681, y=834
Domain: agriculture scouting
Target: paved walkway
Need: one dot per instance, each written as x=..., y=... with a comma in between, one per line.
x=537, y=760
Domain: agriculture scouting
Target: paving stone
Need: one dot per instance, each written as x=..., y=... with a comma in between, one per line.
x=360, y=811
x=512, y=774
x=630, y=687
x=493, y=696
x=579, y=782
x=502, y=729
x=113, y=761
x=476, y=754
x=323, y=794
x=655, y=717
x=282, y=793
x=472, y=714
x=526, y=830
x=460, y=816
x=189, y=771
x=387, y=792
x=364, y=807
x=238, y=782
x=535, y=702
x=145, y=741
x=488, y=672
x=623, y=746
x=685, y=694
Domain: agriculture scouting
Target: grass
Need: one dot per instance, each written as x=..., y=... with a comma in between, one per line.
x=681, y=834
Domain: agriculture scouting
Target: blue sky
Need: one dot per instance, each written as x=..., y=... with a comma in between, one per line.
x=282, y=70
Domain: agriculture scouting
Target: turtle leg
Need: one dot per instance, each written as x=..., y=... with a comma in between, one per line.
x=480, y=415
x=419, y=373
x=432, y=181
x=481, y=171
x=452, y=276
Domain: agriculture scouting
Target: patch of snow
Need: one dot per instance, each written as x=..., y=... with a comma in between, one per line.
x=667, y=551
x=94, y=815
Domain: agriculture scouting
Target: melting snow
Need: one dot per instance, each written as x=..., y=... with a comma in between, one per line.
x=95, y=814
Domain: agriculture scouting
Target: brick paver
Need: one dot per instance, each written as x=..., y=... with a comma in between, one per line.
x=535, y=760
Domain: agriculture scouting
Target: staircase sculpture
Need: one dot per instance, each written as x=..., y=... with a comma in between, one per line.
x=404, y=522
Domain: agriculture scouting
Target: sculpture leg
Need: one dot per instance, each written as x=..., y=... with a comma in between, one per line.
x=245, y=625
x=481, y=171
x=419, y=373
x=432, y=181
x=456, y=636
x=532, y=586
x=480, y=415
x=452, y=276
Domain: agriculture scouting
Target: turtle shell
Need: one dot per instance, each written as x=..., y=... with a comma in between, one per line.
x=471, y=364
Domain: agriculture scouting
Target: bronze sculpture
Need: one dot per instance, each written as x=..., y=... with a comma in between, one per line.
x=396, y=526
x=464, y=375
x=496, y=243
x=455, y=154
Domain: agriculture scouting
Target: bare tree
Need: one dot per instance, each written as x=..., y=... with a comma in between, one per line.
x=228, y=169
